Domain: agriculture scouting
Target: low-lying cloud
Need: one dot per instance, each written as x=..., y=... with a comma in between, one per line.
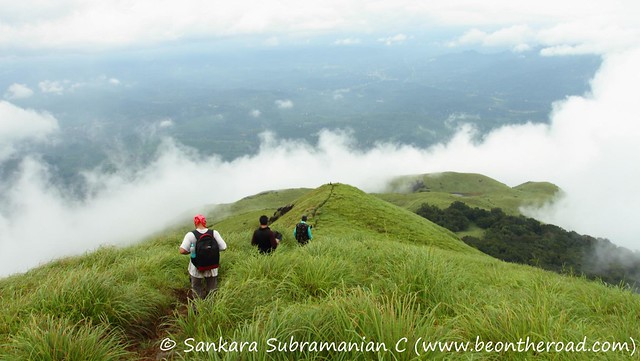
x=347, y=41
x=589, y=148
x=284, y=103
x=53, y=87
x=18, y=91
x=18, y=125
x=393, y=40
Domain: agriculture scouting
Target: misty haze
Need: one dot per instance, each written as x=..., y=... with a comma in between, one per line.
x=111, y=137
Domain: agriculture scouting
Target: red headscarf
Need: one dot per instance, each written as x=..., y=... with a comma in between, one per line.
x=199, y=218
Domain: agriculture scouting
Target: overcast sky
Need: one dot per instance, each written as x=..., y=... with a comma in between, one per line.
x=570, y=25
x=589, y=146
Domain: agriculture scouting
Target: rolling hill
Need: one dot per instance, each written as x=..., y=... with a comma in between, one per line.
x=377, y=282
x=476, y=190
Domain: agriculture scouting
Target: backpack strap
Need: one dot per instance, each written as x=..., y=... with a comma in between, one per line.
x=199, y=235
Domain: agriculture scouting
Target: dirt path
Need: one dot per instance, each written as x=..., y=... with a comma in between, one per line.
x=148, y=348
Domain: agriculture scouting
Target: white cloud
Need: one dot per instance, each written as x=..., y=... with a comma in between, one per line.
x=284, y=104
x=514, y=36
x=521, y=48
x=576, y=37
x=347, y=41
x=393, y=40
x=339, y=93
x=18, y=125
x=81, y=24
x=60, y=87
x=589, y=149
x=18, y=91
x=599, y=35
x=457, y=120
x=54, y=87
x=255, y=113
x=166, y=123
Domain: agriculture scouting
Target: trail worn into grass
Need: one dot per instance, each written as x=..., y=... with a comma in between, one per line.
x=316, y=209
x=148, y=349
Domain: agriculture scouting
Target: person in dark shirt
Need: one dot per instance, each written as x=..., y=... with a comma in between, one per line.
x=264, y=237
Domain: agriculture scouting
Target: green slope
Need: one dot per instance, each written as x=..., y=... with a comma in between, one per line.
x=476, y=190
x=375, y=275
x=338, y=209
x=261, y=201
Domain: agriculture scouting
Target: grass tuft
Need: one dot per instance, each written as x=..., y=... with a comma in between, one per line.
x=61, y=339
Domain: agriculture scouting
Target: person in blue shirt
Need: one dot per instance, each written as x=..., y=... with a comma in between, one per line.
x=302, y=232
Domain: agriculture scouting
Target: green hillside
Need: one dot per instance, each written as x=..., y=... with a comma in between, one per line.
x=258, y=202
x=377, y=282
x=476, y=190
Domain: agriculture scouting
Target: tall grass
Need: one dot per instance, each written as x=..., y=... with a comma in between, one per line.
x=101, y=301
x=99, y=297
x=55, y=339
x=411, y=293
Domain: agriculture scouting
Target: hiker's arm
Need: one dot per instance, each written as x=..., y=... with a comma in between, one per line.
x=222, y=245
x=189, y=238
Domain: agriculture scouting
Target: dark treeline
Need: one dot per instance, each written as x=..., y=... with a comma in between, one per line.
x=525, y=240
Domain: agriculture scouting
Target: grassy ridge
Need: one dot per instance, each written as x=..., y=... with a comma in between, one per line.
x=374, y=273
x=339, y=210
x=442, y=189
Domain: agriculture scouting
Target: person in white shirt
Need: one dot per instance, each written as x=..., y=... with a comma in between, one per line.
x=202, y=282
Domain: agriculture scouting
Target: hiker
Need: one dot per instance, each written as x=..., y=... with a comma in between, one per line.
x=302, y=232
x=204, y=246
x=264, y=237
